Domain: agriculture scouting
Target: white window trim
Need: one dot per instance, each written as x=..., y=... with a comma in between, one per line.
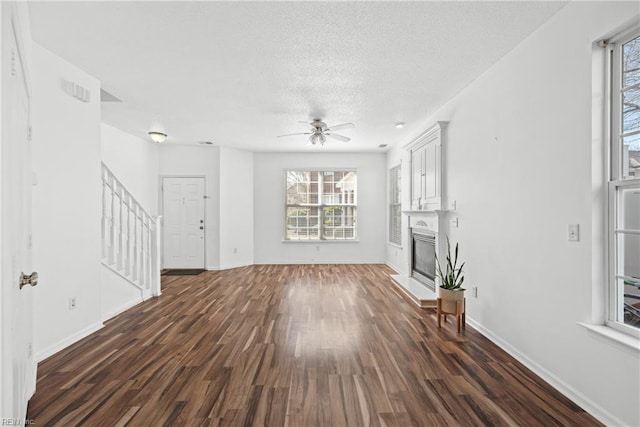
x=630, y=335
x=613, y=335
x=355, y=238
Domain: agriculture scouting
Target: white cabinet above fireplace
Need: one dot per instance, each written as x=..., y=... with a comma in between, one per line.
x=426, y=165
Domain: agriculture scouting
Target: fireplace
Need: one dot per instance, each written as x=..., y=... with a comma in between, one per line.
x=423, y=257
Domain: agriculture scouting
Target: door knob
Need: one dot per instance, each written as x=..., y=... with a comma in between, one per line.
x=28, y=279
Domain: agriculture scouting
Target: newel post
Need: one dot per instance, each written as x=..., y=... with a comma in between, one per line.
x=155, y=254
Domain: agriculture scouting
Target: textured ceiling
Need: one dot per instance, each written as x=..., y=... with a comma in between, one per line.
x=240, y=73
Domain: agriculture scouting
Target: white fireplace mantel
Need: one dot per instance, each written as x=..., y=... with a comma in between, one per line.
x=438, y=212
x=427, y=200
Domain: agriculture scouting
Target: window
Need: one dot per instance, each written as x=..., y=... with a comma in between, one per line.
x=321, y=205
x=624, y=184
x=395, y=208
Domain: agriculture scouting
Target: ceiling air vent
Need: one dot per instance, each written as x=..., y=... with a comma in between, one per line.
x=382, y=146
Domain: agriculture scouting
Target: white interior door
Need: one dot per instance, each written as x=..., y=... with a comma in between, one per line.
x=18, y=365
x=183, y=219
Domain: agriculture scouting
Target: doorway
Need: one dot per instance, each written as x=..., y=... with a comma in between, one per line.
x=184, y=226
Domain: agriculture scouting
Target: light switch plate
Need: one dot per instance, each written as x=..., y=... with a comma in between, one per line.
x=574, y=232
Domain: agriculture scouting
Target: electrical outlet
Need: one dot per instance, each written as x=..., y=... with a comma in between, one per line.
x=454, y=222
x=30, y=350
x=474, y=291
x=454, y=205
x=235, y=250
x=317, y=248
x=72, y=303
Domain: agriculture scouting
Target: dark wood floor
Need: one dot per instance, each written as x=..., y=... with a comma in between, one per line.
x=326, y=345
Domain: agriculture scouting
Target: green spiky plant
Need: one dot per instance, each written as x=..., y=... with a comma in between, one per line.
x=451, y=278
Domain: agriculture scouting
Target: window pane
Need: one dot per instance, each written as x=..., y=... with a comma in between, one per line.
x=629, y=246
x=631, y=157
x=297, y=187
x=347, y=186
x=294, y=177
x=302, y=188
x=631, y=62
x=338, y=222
x=631, y=305
x=629, y=208
x=627, y=263
x=631, y=110
x=302, y=223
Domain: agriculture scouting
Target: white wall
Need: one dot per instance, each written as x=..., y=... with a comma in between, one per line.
x=269, y=216
x=186, y=160
x=236, y=208
x=519, y=165
x=66, y=203
x=134, y=161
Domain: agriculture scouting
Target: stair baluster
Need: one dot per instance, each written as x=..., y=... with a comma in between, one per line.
x=130, y=237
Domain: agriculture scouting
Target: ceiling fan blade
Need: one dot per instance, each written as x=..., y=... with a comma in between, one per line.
x=293, y=134
x=342, y=126
x=338, y=137
x=306, y=124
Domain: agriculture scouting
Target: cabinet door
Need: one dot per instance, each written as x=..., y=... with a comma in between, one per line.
x=430, y=185
x=417, y=173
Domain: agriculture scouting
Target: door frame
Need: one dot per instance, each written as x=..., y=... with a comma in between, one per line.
x=161, y=210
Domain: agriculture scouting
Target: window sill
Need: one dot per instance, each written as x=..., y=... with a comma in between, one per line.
x=395, y=245
x=320, y=241
x=613, y=335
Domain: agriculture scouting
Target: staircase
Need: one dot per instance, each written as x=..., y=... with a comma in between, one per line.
x=130, y=237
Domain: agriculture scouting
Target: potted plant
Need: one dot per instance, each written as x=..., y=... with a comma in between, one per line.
x=451, y=300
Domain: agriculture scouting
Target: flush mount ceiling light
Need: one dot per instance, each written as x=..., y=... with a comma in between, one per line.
x=157, y=136
x=399, y=125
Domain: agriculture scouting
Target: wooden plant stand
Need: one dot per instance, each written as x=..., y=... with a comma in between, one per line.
x=460, y=313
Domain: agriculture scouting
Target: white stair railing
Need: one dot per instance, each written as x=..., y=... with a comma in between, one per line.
x=130, y=237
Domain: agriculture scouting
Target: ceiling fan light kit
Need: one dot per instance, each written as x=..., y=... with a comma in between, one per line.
x=317, y=138
x=320, y=131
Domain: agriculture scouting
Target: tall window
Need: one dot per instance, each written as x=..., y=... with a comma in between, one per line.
x=321, y=205
x=624, y=184
x=395, y=208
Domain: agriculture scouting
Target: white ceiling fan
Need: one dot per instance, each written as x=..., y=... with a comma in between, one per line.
x=319, y=132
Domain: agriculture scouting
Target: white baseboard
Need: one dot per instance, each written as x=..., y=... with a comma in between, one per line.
x=393, y=267
x=66, y=342
x=323, y=262
x=578, y=398
x=123, y=307
x=230, y=266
